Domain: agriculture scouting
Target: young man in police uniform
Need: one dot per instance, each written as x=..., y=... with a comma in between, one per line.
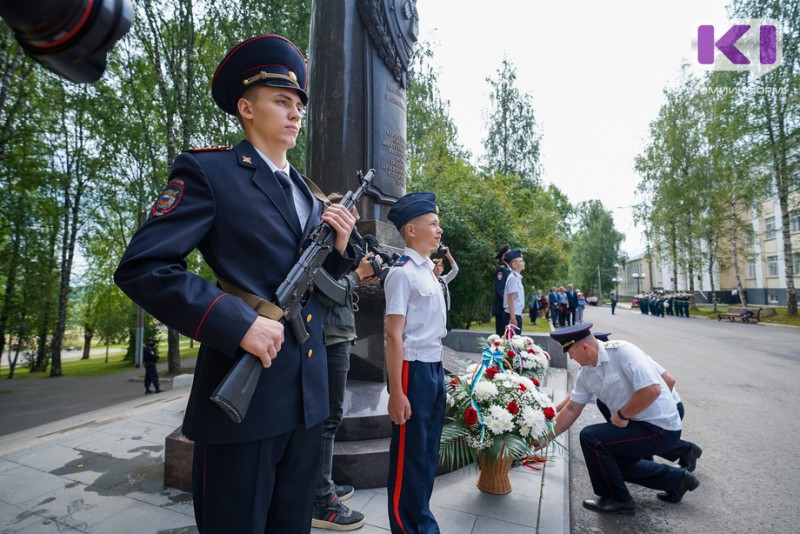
x=500, y=275
x=415, y=326
x=248, y=212
x=644, y=421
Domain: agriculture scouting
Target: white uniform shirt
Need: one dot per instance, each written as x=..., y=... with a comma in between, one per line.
x=660, y=370
x=514, y=287
x=623, y=368
x=447, y=279
x=301, y=205
x=413, y=291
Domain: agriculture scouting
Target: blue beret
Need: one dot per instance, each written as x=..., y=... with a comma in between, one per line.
x=411, y=205
x=502, y=251
x=602, y=336
x=262, y=60
x=569, y=335
x=513, y=255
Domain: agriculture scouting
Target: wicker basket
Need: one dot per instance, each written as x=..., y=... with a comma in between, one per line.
x=493, y=477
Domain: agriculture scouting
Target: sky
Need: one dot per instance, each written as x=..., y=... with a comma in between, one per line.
x=595, y=71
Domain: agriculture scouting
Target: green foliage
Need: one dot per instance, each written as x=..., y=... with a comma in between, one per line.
x=512, y=143
x=595, y=247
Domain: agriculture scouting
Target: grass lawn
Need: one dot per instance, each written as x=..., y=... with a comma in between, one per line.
x=97, y=366
x=781, y=318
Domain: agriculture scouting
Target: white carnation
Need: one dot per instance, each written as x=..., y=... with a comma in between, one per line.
x=485, y=390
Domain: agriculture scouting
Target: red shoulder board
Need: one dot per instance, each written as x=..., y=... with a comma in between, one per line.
x=209, y=149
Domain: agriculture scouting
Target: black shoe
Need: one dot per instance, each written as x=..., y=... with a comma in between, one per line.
x=689, y=483
x=158, y=391
x=337, y=516
x=344, y=491
x=148, y=392
x=606, y=505
x=689, y=460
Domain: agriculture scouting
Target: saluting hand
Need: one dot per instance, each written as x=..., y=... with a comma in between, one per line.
x=343, y=222
x=263, y=340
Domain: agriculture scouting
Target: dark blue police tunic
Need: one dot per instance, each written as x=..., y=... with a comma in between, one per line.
x=230, y=206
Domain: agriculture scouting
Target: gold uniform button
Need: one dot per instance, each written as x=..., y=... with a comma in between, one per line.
x=310, y=352
x=308, y=318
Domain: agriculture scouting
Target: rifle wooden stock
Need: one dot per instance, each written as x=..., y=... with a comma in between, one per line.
x=236, y=390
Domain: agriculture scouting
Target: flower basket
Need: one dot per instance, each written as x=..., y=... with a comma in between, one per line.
x=493, y=477
x=499, y=418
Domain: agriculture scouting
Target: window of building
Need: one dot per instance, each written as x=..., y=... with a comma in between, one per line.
x=751, y=268
x=772, y=298
x=796, y=261
x=769, y=227
x=772, y=265
x=794, y=221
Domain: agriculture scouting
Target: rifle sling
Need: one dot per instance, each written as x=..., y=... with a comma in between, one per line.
x=262, y=306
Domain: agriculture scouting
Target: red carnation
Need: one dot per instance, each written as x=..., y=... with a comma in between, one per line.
x=470, y=416
x=496, y=343
x=522, y=388
x=535, y=382
x=490, y=372
x=549, y=413
x=513, y=408
x=454, y=382
x=510, y=353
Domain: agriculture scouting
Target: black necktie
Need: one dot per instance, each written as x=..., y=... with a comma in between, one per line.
x=288, y=192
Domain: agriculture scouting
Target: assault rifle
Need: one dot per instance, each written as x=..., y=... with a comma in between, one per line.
x=236, y=390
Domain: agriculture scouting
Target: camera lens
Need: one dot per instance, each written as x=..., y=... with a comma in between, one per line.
x=69, y=37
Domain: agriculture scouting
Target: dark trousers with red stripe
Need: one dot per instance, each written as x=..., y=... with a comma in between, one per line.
x=615, y=455
x=414, y=450
x=264, y=486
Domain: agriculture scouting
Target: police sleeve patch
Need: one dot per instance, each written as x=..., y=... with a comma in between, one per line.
x=169, y=198
x=499, y=275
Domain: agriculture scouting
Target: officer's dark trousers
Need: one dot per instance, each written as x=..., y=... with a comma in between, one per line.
x=507, y=321
x=499, y=325
x=264, y=486
x=414, y=450
x=151, y=376
x=614, y=455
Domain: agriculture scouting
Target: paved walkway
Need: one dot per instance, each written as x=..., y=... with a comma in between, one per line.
x=102, y=472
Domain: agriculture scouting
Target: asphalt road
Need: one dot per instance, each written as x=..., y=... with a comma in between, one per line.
x=740, y=384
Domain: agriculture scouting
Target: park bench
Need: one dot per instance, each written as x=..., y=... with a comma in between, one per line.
x=745, y=314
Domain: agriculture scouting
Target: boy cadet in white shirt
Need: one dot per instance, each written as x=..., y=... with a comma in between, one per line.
x=415, y=325
x=514, y=294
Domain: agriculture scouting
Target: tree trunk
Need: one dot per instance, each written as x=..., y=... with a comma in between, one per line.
x=735, y=241
x=88, y=334
x=173, y=352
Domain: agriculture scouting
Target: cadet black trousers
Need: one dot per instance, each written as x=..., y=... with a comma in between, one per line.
x=264, y=486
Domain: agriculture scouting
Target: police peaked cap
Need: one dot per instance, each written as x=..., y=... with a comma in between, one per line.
x=411, y=205
x=566, y=337
x=262, y=60
x=512, y=255
x=502, y=251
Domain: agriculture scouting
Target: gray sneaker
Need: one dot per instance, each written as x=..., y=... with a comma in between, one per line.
x=337, y=516
x=345, y=491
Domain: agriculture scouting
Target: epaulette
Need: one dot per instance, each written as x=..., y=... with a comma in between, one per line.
x=402, y=260
x=209, y=149
x=611, y=344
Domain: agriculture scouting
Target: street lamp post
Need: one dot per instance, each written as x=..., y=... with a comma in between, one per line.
x=637, y=277
x=616, y=280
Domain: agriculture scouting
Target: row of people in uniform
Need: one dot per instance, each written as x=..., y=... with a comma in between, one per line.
x=661, y=304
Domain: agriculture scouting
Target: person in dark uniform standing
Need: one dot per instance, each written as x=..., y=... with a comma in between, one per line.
x=415, y=326
x=644, y=421
x=500, y=275
x=150, y=358
x=248, y=211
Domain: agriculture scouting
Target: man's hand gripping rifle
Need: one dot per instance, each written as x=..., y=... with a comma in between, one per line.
x=236, y=390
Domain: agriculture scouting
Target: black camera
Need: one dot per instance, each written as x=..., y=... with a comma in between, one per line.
x=69, y=37
x=369, y=244
x=442, y=249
